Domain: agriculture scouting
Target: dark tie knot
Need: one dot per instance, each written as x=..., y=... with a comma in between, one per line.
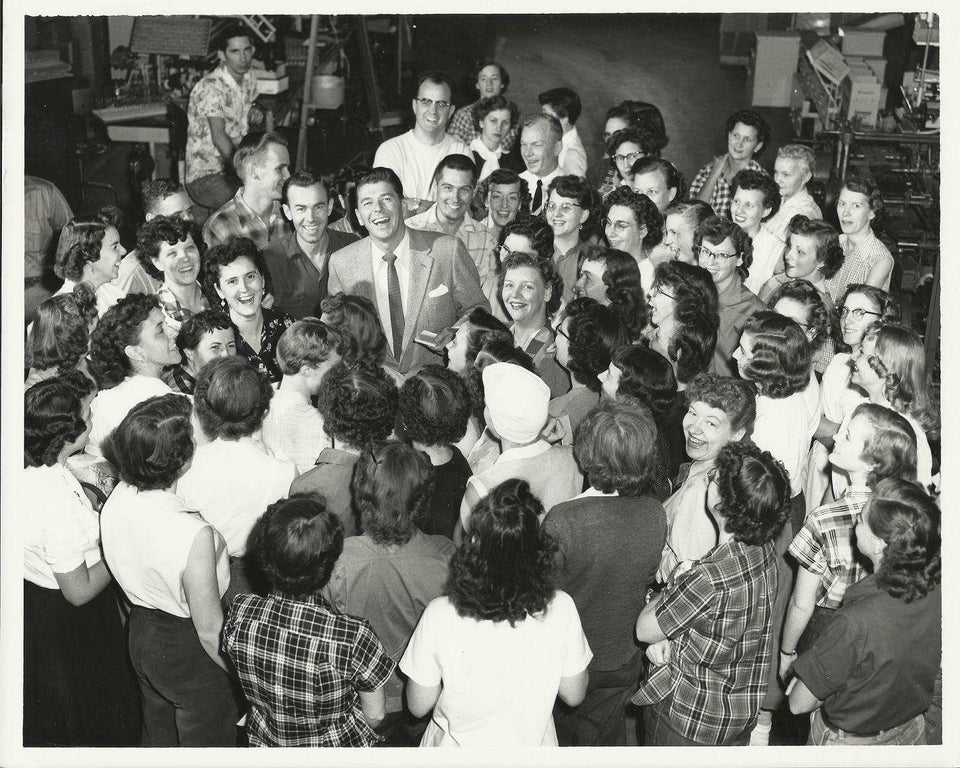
x=390, y=258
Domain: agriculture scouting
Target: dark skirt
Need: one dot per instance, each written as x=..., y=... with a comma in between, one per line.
x=78, y=687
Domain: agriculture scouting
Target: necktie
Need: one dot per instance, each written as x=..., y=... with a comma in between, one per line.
x=396, y=303
x=537, y=198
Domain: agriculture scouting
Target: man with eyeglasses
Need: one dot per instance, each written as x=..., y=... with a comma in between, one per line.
x=540, y=144
x=725, y=251
x=414, y=155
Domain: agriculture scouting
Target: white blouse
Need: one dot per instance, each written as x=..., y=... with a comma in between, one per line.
x=61, y=531
x=783, y=428
x=147, y=538
x=110, y=406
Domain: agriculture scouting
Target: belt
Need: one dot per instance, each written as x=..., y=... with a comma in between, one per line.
x=842, y=731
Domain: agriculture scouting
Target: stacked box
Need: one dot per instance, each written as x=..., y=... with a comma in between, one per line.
x=860, y=95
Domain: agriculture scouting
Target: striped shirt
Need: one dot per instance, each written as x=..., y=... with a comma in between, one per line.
x=825, y=546
x=718, y=618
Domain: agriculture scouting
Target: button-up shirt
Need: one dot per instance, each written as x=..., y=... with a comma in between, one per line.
x=237, y=219
x=380, y=275
x=302, y=667
x=216, y=95
x=573, y=156
x=476, y=238
x=265, y=361
x=825, y=546
x=736, y=304
x=532, y=185
x=718, y=617
x=45, y=213
x=801, y=203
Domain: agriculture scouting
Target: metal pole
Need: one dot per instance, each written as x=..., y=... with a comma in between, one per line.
x=307, y=103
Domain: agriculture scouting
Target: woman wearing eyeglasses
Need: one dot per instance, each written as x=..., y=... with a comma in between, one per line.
x=625, y=147
x=632, y=224
x=726, y=252
x=569, y=212
x=530, y=290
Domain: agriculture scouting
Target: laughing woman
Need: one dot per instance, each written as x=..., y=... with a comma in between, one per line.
x=569, y=213
x=170, y=249
x=235, y=276
x=633, y=224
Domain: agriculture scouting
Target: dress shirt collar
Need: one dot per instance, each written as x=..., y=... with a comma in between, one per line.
x=224, y=74
x=402, y=251
x=532, y=180
x=592, y=492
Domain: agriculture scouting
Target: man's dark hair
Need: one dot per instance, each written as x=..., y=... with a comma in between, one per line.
x=564, y=101
x=303, y=179
x=225, y=35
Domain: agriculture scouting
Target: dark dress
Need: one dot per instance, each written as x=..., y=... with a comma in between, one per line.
x=265, y=361
x=450, y=481
x=78, y=687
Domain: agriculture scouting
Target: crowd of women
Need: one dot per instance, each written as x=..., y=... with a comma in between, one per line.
x=683, y=465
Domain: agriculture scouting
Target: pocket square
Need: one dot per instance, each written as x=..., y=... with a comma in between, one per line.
x=439, y=291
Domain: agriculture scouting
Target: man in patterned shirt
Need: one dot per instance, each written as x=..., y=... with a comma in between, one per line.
x=454, y=182
x=262, y=162
x=314, y=677
x=710, y=629
x=747, y=132
x=218, y=115
x=491, y=79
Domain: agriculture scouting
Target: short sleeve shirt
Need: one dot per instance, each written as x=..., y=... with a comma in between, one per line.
x=45, y=212
x=216, y=95
x=302, y=667
x=722, y=196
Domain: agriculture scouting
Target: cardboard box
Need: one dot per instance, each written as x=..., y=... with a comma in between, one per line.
x=862, y=42
x=860, y=95
x=273, y=86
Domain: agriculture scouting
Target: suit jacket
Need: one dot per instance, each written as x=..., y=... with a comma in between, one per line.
x=444, y=285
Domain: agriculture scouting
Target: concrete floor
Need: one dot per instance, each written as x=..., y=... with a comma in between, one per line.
x=670, y=60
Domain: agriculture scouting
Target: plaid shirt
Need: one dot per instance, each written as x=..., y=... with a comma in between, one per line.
x=476, y=238
x=825, y=546
x=722, y=197
x=237, y=219
x=858, y=260
x=301, y=665
x=718, y=616
x=463, y=127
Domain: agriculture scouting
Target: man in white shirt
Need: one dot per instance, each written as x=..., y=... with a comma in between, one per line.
x=793, y=168
x=564, y=105
x=755, y=199
x=454, y=183
x=414, y=155
x=540, y=144
x=418, y=281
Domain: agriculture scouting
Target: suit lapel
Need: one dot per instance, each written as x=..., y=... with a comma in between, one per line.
x=421, y=264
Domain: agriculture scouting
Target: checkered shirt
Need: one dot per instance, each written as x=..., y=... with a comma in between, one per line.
x=302, y=665
x=722, y=197
x=858, y=260
x=237, y=219
x=825, y=546
x=718, y=616
x=462, y=126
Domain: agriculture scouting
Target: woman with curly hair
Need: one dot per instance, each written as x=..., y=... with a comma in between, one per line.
x=570, y=212
x=805, y=305
x=726, y=252
x=357, y=319
x=609, y=540
x=893, y=618
x=390, y=570
x=129, y=349
x=646, y=377
x=173, y=567
x=494, y=118
x=866, y=259
x=531, y=289
x=756, y=198
x=633, y=224
x=624, y=148
x=170, y=250
x=297, y=542
x=435, y=408
x=232, y=478
x=587, y=334
x=235, y=278
x=877, y=444
x=720, y=410
x=680, y=222
x=612, y=278
x=774, y=356
x=501, y=624
x=683, y=318
x=59, y=337
x=89, y=251
x=659, y=180
x=710, y=630
x=813, y=253
x=891, y=368
x=359, y=407
x=76, y=688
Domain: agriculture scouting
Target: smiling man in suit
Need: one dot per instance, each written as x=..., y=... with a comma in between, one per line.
x=418, y=281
